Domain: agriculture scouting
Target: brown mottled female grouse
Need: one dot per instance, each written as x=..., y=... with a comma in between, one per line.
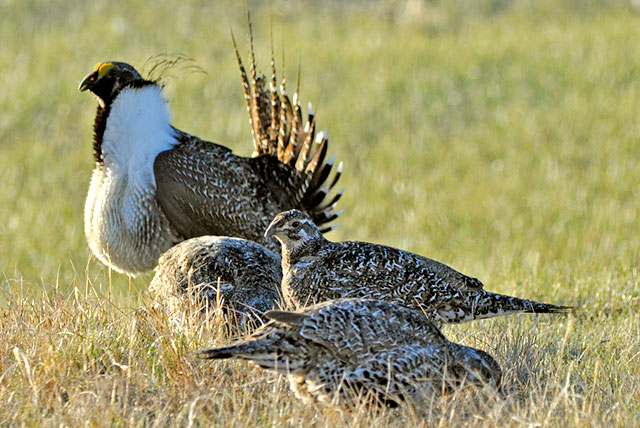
x=315, y=269
x=154, y=185
x=347, y=349
x=240, y=274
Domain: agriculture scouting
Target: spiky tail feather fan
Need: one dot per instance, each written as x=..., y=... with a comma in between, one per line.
x=278, y=131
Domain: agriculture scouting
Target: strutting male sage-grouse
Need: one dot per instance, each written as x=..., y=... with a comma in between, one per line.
x=315, y=269
x=154, y=185
x=341, y=350
x=241, y=276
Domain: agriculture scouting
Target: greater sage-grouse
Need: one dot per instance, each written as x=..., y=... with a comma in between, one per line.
x=154, y=185
x=315, y=269
x=240, y=276
x=354, y=348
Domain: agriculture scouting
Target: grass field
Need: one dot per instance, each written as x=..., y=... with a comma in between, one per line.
x=502, y=138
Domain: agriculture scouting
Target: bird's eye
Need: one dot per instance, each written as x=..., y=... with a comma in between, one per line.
x=295, y=224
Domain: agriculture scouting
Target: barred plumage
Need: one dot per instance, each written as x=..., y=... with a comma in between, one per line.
x=154, y=185
x=315, y=269
x=339, y=351
x=241, y=276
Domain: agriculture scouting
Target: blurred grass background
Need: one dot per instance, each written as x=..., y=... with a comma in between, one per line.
x=500, y=137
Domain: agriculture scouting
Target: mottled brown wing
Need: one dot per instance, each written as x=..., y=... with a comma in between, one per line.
x=204, y=189
x=352, y=327
x=381, y=272
x=366, y=270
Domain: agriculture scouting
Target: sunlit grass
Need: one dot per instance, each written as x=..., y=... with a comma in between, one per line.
x=499, y=137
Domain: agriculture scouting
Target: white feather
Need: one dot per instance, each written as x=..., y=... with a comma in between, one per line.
x=121, y=201
x=138, y=128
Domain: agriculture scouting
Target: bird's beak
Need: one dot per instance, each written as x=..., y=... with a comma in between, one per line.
x=271, y=230
x=89, y=80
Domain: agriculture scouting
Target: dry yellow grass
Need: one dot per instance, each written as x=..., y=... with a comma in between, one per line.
x=77, y=359
x=502, y=138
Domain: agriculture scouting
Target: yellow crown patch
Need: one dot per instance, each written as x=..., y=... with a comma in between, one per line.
x=103, y=68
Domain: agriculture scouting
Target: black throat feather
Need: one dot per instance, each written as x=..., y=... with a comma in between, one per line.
x=99, y=125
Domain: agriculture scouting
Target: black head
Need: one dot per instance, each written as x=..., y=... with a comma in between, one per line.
x=293, y=228
x=108, y=78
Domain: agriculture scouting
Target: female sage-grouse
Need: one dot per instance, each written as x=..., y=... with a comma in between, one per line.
x=154, y=185
x=337, y=351
x=315, y=269
x=237, y=275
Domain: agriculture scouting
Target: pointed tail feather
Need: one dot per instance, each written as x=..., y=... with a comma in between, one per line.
x=285, y=113
x=309, y=129
x=245, y=88
x=317, y=158
x=275, y=100
x=222, y=353
x=250, y=349
x=278, y=130
x=485, y=304
x=264, y=352
x=546, y=308
x=494, y=304
x=257, y=94
x=294, y=144
x=263, y=358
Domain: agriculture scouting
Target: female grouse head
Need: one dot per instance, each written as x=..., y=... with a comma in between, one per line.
x=108, y=78
x=295, y=230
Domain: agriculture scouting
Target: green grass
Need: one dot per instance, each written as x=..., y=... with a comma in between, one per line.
x=502, y=138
